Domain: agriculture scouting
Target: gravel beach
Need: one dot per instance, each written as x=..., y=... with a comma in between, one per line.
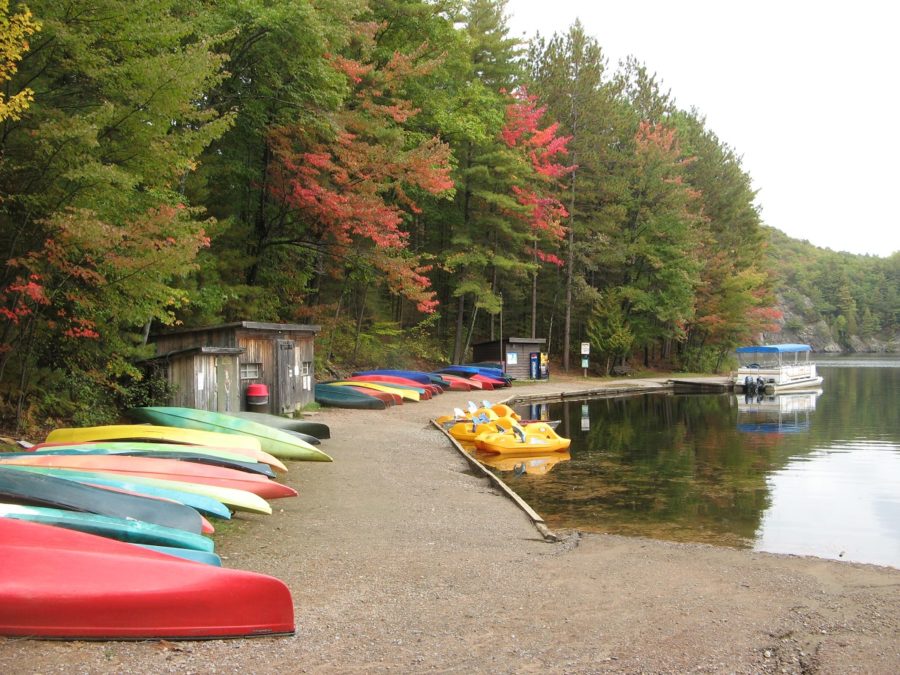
x=402, y=557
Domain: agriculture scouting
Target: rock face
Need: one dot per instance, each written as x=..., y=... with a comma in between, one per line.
x=796, y=327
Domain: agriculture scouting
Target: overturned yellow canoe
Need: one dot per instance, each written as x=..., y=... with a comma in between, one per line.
x=151, y=432
x=408, y=394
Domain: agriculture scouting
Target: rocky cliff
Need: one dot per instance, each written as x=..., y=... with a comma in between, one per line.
x=798, y=324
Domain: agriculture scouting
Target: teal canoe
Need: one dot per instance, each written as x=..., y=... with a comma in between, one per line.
x=233, y=498
x=186, y=554
x=274, y=441
x=345, y=397
x=122, y=529
x=205, y=504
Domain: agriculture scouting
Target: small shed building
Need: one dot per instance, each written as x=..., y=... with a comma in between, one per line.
x=277, y=355
x=516, y=355
x=204, y=377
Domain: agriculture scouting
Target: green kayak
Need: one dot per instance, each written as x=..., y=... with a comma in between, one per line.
x=274, y=441
x=317, y=429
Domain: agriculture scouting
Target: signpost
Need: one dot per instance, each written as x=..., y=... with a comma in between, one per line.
x=585, y=356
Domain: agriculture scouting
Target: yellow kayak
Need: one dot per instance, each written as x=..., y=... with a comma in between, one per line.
x=536, y=439
x=150, y=432
x=409, y=394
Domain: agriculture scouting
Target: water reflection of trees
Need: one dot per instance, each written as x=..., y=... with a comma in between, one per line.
x=660, y=466
x=678, y=467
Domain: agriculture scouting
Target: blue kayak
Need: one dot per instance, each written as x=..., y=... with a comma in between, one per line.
x=468, y=371
x=205, y=505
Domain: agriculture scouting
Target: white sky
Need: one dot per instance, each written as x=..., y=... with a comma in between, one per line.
x=805, y=92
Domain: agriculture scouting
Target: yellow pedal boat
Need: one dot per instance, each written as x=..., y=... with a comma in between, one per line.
x=535, y=439
x=468, y=431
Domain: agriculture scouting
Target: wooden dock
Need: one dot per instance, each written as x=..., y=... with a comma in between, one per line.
x=702, y=385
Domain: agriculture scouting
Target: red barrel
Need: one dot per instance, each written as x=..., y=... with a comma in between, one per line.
x=257, y=394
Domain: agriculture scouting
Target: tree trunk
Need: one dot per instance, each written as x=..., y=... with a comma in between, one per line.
x=359, y=320
x=534, y=287
x=469, y=333
x=457, y=347
x=570, y=264
x=260, y=225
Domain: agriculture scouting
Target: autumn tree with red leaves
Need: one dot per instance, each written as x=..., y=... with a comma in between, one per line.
x=351, y=189
x=540, y=193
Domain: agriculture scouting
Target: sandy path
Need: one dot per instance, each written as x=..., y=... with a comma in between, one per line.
x=402, y=559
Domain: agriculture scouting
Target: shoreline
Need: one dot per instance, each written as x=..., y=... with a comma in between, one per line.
x=401, y=558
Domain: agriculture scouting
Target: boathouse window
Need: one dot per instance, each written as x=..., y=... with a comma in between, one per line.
x=251, y=371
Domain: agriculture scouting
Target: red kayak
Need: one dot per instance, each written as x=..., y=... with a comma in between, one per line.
x=484, y=379
x=460, y=383
x=434, y=389
x=472, y=382
x=386, y=396
x=59, y=583
x=166, y=469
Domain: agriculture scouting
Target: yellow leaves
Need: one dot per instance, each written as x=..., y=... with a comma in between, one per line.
x=13, y=44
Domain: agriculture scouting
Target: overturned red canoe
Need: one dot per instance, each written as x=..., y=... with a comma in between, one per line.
x=493, y=381
x=460, y=383
x=64, y=584
x=433, y=389
x=152, y=467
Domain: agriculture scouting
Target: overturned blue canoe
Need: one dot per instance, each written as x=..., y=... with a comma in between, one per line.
x=32, y=489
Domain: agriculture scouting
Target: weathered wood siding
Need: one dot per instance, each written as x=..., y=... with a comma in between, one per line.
x=289, y=378
x=288, y=372
x=204, y=381
x=520, y=369
x=194, y=379
x=521, y=347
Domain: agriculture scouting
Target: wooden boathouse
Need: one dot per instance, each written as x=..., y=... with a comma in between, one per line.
x=517, y=356
x=211, y=367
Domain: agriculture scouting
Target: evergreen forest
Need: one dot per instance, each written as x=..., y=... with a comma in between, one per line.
x=402, y=173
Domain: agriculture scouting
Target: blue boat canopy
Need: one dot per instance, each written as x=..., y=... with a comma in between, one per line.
x=774, y=349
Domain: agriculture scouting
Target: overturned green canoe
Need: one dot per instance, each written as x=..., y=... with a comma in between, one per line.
x=317, y=429
x=274, y=441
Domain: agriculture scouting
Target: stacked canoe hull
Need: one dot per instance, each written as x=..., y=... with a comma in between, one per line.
x=103, y=529
x=64, y=584
x=274, y=441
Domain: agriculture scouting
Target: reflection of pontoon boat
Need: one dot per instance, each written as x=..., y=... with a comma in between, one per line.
x=781, y=413
x=775, y=368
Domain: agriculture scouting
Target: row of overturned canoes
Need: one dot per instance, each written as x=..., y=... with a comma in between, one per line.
x=378, y=389
x=105, y=531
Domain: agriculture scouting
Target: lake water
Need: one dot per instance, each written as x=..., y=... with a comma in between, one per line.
x=810, y=473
